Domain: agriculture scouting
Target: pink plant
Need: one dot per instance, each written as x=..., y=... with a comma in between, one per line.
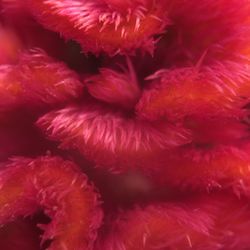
x=147, y=99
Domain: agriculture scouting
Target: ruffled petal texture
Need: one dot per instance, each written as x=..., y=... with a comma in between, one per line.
x=205, y=222
x=61, y=191
x=37, y=80
x=110, y=139
x=150, y=98
x=109, y=26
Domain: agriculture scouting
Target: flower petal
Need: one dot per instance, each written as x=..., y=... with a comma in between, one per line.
x=109, y=138
x=99, y=25
x=219, y=90
x=219, y=30
x=61, y=190
x=219, y=221
x=120, y=89
x=208, y=167
x=37, y=81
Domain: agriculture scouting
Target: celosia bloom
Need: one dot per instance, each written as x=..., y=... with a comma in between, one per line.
x=150, y=99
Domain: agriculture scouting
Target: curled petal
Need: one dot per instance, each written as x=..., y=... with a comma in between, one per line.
x=60, y=190
x=220, y=29
x=222, y=89
x=37, y=80
x=109, y=138
x=207, y=222
x=215, y=31
x=113, y=87
x=98, y=25
x=208, y=167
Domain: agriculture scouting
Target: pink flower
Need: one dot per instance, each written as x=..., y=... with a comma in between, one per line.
x=150, y=98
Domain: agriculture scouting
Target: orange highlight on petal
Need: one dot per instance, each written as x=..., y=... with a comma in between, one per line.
x=37, y=81
x=60, y=190
x=219, y=90
x=110, y=26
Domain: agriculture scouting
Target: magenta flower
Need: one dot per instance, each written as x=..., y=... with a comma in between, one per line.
x=149, y=99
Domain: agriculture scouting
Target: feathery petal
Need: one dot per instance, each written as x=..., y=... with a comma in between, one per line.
x=120, y=89
x=218, y=90
x=61, y=190
x=110, y=139
x=220, y=29
x=103, y=25
x=37, y=81
x=208, y=167
x=219, y=221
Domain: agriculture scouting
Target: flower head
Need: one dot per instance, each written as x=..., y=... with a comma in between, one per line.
x=150, y=98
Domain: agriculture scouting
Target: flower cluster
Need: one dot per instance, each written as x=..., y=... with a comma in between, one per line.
x=124, y=124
